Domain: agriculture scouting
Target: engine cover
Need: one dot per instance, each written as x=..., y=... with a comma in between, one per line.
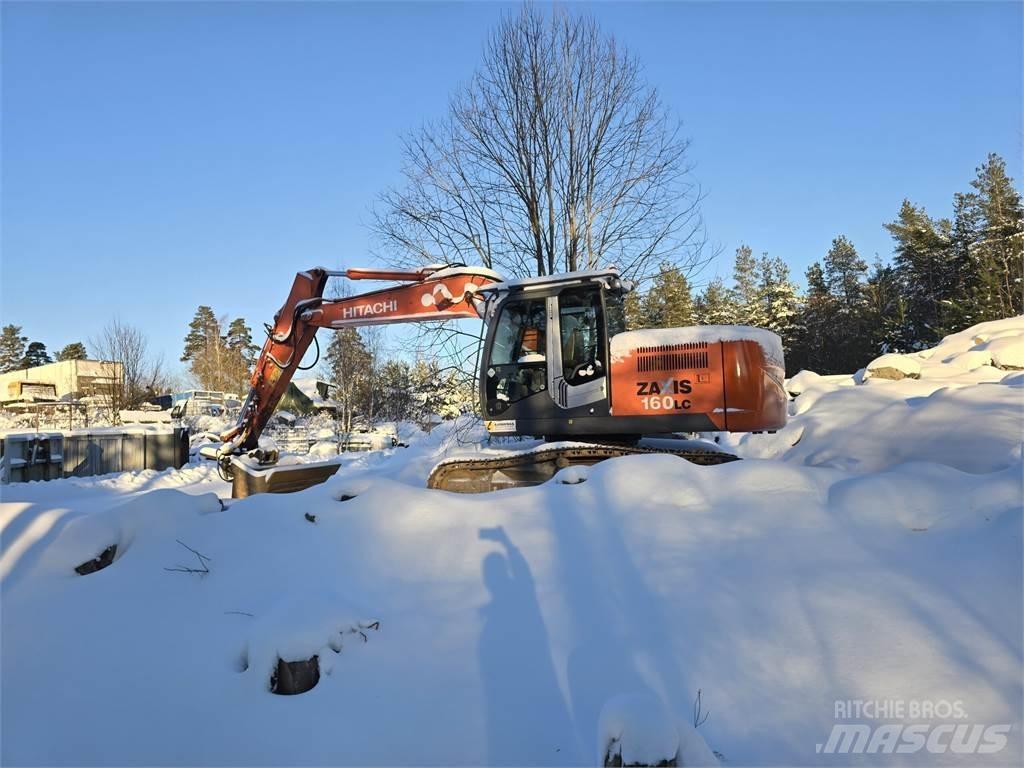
x=732, y=374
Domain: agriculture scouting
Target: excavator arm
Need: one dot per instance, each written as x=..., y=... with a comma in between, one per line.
x=437, y=292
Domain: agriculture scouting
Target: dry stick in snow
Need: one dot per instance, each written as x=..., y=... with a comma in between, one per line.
x=204, y=561
x=698, y=721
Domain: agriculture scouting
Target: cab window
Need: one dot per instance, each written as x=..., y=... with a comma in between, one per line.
x=518, y=365
x=582, y=334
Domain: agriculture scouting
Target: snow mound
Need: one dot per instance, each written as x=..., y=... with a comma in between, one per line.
x=962, y=412
x=323, y=449
x=637, y=730
x=988, y=349
x=1007, y=352
x=894, y=367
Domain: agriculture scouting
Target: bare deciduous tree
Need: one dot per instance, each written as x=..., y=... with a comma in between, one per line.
x=555, y=156
x=140, y=375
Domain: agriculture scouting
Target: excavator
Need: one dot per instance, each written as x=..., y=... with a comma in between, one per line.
x=556, y=363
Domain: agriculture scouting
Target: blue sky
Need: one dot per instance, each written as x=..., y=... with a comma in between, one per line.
x=157, y=156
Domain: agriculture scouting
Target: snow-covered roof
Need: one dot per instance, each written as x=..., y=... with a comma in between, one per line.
x=308, y=386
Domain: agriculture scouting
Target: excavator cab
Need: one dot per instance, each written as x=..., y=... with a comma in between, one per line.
x=546, y=357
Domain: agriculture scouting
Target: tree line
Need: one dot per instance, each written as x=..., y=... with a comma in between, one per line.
x=17, y=352
x=220, y=354
x=142, y=373
x=373, y=387
x=945, y=275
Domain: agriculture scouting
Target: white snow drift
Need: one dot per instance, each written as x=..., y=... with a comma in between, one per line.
x=875, y=554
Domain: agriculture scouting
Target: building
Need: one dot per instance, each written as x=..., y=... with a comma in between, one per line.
x=69, y=379
x=202, y=402
x=309, y=395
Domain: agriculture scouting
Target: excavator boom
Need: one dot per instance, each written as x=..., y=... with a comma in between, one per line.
x=438, y=292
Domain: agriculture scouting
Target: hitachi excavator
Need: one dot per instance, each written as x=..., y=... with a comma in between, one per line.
x=557, y=362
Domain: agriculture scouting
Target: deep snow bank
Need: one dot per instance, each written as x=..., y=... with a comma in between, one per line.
x=508, y=622
x=879, y=559
x=963, y=411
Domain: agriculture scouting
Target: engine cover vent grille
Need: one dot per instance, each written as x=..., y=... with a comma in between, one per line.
x=672, y=357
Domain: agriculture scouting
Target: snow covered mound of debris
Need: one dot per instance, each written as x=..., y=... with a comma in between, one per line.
x=958, y=404
x=894, y=367
x=984, y=352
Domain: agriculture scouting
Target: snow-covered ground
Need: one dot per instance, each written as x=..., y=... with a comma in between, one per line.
x=868, y=553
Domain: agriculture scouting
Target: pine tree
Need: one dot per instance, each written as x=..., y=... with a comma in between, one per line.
x=844, y=274
x=925, y=264
x=715, y=305
x=12, y=348
x=888, y=317
x=207, y=352
x=35, y=355
x=997, y=250
x=813, y=335
x=241, y=353
x=73, y=351
x=668, y=303
x=847, y=333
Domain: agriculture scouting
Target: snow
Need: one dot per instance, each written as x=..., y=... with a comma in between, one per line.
x=871, y=550
x=907, y=366
x=636, y=728
x=622, y=344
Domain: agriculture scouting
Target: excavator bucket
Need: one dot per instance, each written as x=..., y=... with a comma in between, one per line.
x=248, y=479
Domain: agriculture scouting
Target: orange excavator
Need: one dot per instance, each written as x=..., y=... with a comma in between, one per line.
x=557, y=362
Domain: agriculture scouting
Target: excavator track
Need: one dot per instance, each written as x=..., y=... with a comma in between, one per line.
x=536, y=466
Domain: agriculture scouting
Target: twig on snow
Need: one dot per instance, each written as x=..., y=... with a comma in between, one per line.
x=204, y=562
x=698, y=721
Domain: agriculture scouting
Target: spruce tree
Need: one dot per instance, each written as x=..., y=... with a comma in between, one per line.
x=747, y=294
x=668, y=303
x=778, y=298
x=12, y=348
x=715, y=305
x=73, y=351
x=348, y=366
x=633, y=310
x=967, y=221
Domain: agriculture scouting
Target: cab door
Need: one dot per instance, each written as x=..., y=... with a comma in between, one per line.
x=577, y=347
